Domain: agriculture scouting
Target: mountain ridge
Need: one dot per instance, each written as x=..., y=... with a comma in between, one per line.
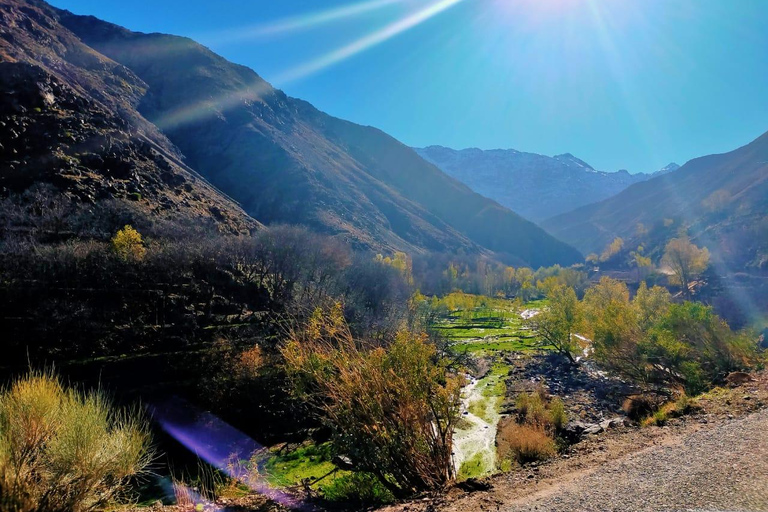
x=286, y=161
x=720, y=199
x=533, y=185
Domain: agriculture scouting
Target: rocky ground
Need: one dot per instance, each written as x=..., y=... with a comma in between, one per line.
x=715, y=458
x=590, y=396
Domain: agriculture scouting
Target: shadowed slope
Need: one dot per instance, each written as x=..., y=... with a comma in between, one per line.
x=285, y=161
x=69, y=119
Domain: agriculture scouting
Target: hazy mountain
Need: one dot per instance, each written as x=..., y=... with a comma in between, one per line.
x=535, y=186
x=721, y=199
x=105, y=112
x=666, y=169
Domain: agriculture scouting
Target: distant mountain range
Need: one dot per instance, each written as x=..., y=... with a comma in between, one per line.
x=720, y=200
x=105, y=113
x=534, y=186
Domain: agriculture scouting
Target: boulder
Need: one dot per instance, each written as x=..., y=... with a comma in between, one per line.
x=575, y=430
x=612, y=423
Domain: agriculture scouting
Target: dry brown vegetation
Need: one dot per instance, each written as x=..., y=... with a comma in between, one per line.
x=530, y=435
x=392, y=408
x=64, y=450
x=524, y=443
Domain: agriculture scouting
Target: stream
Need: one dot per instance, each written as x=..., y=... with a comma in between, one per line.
x=475, y=444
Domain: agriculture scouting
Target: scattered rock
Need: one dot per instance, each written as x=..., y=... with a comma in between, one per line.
x=613, y=423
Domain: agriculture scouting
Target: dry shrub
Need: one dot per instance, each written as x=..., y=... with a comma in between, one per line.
x=392, y=409
x=638, y=407
x=65, y=450
x=185, y=498
x=250, y=362
x=537, y=410
x=524, y=443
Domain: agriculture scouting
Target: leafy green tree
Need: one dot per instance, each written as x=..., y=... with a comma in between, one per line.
x=613, y=327
x=560, y=321
x=661, y=345
x=524, y=276
x=651, y=304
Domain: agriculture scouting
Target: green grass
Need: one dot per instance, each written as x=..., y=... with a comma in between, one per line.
x=309, y=462
x=313, y=463
x=480, y=333
x=474, y=467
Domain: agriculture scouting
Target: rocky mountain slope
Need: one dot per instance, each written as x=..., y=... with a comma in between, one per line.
x=287, y=162
x=535, y=186
x=722, y=200
x=68, y=118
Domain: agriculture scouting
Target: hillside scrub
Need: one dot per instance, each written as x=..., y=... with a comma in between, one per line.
x=65, y=450
x=663, y=345
x=392, y=407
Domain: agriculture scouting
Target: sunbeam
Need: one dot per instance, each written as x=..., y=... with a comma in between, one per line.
x=251, y=93
x=295, y=23
x=213, y=106
x=640, y=117
x=366, y=42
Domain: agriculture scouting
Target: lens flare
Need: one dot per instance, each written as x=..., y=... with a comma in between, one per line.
x=296, y=23
x=218, y=106
x=366, y=42
x=219, y=444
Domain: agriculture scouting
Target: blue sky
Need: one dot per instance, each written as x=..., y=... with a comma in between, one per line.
x=629, y=84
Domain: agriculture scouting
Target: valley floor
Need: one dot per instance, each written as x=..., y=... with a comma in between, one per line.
x=716, y=459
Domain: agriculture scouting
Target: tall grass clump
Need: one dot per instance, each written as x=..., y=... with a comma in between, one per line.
x=531, y=435
x=524, y=443
x=65, y=450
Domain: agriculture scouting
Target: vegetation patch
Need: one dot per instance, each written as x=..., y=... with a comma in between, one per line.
x=304, y=464
x=531, y=434
x=474, y=467
x=62, y=449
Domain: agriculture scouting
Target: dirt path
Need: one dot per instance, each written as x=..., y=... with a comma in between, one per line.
x=724, y=468
x=480, y=436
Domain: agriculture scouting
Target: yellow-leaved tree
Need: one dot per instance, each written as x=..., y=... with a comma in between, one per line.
x=686, y=261
x=128, y=244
